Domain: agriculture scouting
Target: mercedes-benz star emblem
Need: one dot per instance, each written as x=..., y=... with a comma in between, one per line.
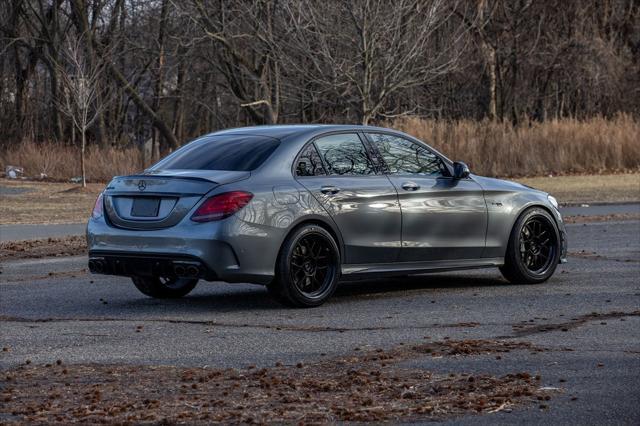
x=142, y=185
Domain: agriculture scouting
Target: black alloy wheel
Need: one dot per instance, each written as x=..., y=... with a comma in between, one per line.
x=533, y=252
x=537, y=244
x=311, y=267
x=308, y=268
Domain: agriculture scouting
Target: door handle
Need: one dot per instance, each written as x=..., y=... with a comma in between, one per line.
x=330, y=189
x=410, y=186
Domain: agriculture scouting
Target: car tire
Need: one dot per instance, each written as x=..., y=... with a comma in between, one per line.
x=164, y=288
x=534, y=247
x=308, y=268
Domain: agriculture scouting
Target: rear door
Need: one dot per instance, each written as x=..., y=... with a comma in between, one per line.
x=338, y=171
x=442, y=218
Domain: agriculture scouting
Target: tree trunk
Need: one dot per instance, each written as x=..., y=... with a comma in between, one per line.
x=490, y=59
x=144, y=107
x=491, y=62
x=82, y=167
x=157, y=87
x=178, y=113
x=84, y=28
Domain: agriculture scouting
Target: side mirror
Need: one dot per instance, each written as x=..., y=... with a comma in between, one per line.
x=460, y=170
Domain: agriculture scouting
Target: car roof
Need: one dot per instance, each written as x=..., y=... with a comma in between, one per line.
x=285, y=130
x=294, y=136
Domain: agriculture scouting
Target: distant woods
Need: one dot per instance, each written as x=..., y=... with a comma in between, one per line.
x=164, y=71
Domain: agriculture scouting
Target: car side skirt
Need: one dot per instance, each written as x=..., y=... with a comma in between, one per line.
x=419, y=267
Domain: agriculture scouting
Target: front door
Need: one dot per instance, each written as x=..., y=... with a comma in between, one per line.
x=442, y=218
x=338, y=171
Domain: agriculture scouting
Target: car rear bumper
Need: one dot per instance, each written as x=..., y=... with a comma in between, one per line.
x=188, y=251
x=162, y=265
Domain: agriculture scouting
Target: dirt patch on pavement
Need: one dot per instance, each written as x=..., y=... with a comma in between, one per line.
x=47, y=247
x=602, y=218
x=526, y=329
x=367, y=387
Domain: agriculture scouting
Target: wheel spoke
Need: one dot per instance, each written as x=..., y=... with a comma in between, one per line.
x=537, y=242
x=310, y=263
x=317, y=283
x=298, y=275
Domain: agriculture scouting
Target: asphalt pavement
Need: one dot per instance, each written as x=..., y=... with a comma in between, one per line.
x=30, y=232
x=52, y=309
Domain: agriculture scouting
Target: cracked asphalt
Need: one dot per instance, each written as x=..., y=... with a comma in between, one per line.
x=587, y=317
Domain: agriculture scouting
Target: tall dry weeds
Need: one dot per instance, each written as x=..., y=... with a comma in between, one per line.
x=559, y=147
x=597, y=145
x=62, y=162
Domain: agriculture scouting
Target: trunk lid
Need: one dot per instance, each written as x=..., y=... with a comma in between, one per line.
x=160, y=198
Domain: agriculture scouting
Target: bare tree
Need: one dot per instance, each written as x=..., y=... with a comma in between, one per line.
x=380, y=48
x=80, y=79
x=245, y=35
x=188, y=67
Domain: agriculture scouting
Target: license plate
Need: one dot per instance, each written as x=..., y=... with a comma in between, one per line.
x=145, y=207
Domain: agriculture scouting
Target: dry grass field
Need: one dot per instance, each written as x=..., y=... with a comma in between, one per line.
x=577, y=189
x=597, y=160
x=25, y=202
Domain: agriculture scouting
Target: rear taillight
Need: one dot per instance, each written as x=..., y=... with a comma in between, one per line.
x=221, y=206
x=98, y=208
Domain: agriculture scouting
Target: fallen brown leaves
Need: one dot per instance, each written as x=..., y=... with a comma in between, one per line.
x=367, y=387
x=46, y=247
x=475, y=347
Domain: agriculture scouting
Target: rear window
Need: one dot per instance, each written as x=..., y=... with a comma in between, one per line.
x=224, y=152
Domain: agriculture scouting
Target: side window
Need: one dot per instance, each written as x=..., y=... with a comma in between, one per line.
x=344, y=154
x=405, y=157
x=309, y=163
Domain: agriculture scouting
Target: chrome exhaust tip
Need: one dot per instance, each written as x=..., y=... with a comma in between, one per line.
x=96, y=266
x=193, y=271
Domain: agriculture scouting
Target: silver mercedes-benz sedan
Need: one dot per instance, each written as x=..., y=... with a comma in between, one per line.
x=298, y=208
